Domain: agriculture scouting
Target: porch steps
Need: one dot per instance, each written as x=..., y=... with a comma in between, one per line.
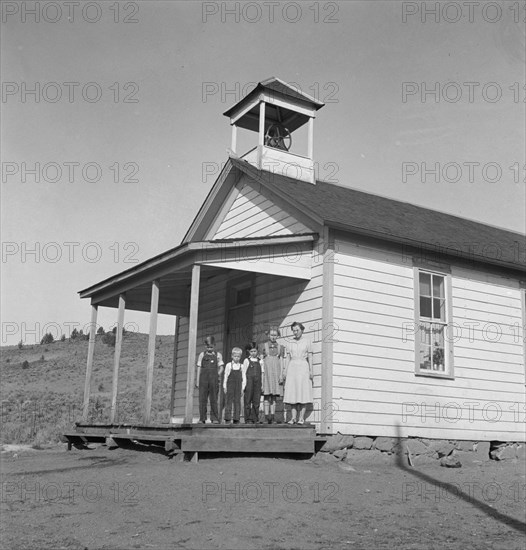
x=250, y=439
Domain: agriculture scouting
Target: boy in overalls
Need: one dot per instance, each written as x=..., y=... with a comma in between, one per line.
x=234, y=385
x=253, y=369
x=209, y=370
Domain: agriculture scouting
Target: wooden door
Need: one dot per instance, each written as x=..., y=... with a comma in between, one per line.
x=239, y=321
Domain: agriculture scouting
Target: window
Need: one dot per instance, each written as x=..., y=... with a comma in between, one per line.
x=433, y=349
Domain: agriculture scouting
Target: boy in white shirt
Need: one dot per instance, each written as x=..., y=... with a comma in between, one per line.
x=234, y=383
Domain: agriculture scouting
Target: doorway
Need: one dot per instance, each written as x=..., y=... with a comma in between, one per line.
x=239, y=314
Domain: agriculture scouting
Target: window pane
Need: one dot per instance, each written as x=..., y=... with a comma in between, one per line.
x=425, y=357
x=425, y=307
x=243, y=296
x=438, y=286
x=425, y=334
x=425, y=284
x=438, y=348
x=439, y=309
x=438, y=335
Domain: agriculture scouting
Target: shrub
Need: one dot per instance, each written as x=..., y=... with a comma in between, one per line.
x=74, y=334
x=109, y=339
x=20, y=344
x=47, y=339
x=63, y=338
x=100, y=331
x=25, y=364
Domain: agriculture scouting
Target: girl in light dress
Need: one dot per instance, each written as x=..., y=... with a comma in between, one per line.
x=273, y=355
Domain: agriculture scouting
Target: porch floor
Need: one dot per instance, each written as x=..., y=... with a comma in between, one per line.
x=193, y=438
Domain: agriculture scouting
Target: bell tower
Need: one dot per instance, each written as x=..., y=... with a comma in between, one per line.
x=275, y=110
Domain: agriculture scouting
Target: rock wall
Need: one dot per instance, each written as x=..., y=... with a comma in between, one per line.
x=415, y=451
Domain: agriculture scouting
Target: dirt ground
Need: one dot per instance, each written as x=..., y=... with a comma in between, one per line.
x=124, y=499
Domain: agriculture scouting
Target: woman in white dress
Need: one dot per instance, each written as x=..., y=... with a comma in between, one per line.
x=298, y=374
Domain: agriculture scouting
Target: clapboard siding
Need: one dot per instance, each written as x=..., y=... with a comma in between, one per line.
x=253, y=215
x=374, y=379
x=392, y=369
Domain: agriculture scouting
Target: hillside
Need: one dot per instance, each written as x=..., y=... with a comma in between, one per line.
x=44, y=399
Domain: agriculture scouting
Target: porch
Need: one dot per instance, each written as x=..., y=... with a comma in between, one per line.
x=174, y=283
x=191, y=439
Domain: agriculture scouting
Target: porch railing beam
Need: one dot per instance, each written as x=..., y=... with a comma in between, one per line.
x=192, y=344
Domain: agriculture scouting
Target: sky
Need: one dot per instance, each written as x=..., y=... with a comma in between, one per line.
x=112, y=127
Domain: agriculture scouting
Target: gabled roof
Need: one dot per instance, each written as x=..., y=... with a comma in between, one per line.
x=375, y=216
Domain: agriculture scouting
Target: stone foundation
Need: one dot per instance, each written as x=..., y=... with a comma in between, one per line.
x=416, y=451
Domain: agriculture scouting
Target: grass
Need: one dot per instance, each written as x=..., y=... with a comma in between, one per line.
x=43, y=386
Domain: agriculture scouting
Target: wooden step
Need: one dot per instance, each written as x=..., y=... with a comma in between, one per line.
x=255, y=444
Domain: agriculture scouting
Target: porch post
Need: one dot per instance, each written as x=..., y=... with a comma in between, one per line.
x=327, y=307
x=89, y=365
x=151, y=350
x=117, y=357
x=310, y=140
x=192, y=344
x=174, y=367
x=234, y=138
x=261, y=135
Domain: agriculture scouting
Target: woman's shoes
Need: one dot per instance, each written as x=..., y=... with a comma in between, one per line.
x=292, y=421
x=301, y=421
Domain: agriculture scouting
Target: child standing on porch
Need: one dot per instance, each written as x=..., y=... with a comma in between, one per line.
x=234, y=384
x=254, y=370
x=209, y=370
x=273, y=354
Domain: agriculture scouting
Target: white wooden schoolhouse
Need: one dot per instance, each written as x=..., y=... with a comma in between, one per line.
x=416, y=316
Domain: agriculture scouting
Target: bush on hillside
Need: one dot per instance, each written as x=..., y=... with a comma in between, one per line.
x=47, y=339
x=109, y=339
